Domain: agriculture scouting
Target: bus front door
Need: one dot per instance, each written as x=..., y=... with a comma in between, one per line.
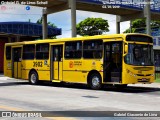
x=56, y=62
x=112, y=61
x=16, y=62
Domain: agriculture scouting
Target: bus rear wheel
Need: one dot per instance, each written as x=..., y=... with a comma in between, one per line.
x=33, y=78
x=95, y=81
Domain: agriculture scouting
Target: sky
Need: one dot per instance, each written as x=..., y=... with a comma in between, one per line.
x=62, y=19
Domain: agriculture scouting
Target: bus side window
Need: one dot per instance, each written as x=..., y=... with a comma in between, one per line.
x=17, y=54
x=92, y=49
x=28, y=52
x=73, y=50
x=57, y=54
x=42, y=51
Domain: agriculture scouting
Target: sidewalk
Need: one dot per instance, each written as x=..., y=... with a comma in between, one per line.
x=2, y=77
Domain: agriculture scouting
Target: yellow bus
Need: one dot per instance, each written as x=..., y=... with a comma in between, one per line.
x=118, y=59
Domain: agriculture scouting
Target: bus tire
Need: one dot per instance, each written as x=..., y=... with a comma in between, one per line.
x=33, y=77
x=95, y=81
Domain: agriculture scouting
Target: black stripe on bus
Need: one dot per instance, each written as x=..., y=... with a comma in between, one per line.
x=36, y=70
x=77, y=71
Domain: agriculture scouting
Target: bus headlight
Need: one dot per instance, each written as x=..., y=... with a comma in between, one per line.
x=134, y=75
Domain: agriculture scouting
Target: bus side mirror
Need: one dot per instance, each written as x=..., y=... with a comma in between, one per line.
x=125, y=48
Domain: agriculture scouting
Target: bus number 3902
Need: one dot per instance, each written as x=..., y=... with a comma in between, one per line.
x=37, y=64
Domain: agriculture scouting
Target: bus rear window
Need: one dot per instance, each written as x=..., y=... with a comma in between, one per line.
x=139, y=38
x=8, y=52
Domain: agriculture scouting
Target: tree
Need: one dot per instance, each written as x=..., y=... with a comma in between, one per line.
x=39, y=21
x=29, y=20
x=140, y=24
x=92, y=26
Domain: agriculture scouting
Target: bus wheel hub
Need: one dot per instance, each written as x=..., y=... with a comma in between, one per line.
x=33, y=78
x=95, y=81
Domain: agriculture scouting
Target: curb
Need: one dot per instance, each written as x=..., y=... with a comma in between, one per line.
x=4, y=78
x=154, y=85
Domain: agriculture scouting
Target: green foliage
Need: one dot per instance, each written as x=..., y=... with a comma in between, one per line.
x=141, y=24
x=155, y=23
x=129, y=30
x=138, y=23
x=92, y=26
x=29, y=20
x=157, y=77
x=52, y=24
x=39, y=21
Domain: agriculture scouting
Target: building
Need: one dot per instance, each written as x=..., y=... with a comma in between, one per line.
x=21, y=31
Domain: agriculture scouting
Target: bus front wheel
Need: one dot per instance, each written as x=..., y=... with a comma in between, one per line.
x=95, y=81
x=33, y=77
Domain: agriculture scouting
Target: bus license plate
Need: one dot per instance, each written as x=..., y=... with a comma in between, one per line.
x=144, y=79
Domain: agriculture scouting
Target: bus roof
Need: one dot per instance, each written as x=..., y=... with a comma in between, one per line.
x=111, y=36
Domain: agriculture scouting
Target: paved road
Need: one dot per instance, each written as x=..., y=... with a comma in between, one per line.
x=18, y=95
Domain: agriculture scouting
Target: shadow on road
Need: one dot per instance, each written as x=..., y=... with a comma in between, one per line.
x=129, y=89
x=13, y=84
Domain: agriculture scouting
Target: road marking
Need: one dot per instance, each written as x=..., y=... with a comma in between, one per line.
x=11, y=108
x=19, y=109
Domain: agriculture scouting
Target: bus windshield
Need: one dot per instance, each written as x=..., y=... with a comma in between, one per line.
x=139, y=54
